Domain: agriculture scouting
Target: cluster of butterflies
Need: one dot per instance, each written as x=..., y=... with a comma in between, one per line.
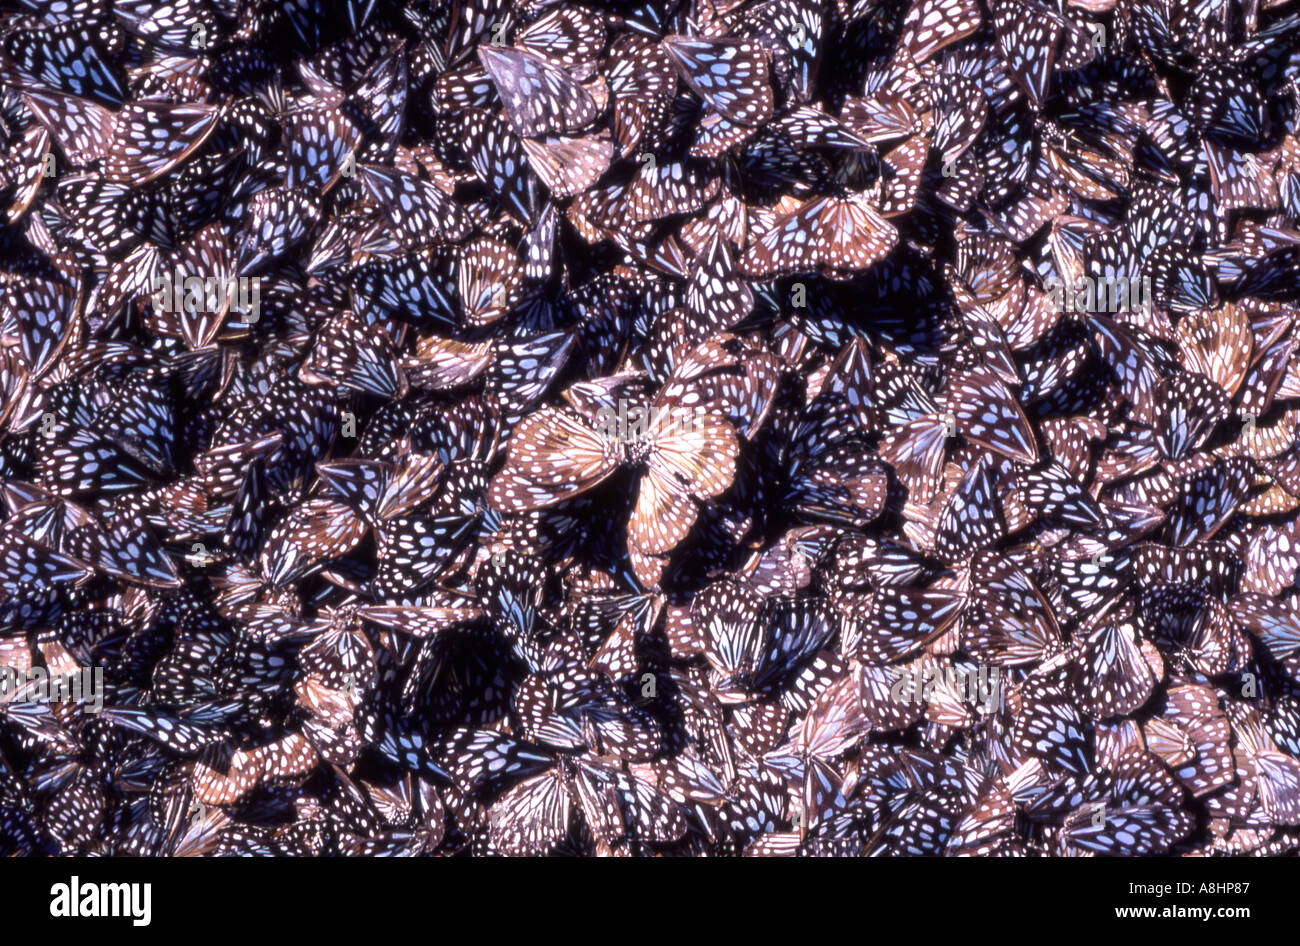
x=650, y=418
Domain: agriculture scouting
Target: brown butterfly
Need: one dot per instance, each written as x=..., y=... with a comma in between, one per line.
x=826, y=234
x=685, y=450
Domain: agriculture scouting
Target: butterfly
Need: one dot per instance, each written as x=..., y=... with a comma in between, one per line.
x=355, y=356
x=539, y=96
x=1050, y=728
x=308, y=537
x=555, y=454
x=1139, y=817
x=642, y=80
x=895, y=621
x=825, y=234
x=730, y=75
x=421, y=212
x=1117, y=675
x=971, y=518
x=930, y=25
x=1018, y=625
x=533, y=817
x=43, y=310
x=139, y=143
x=222, y=779
x=750, y=646
x=321, y=142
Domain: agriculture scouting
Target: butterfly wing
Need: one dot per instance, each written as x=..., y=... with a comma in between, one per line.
x=540, y=96
x=825, y=234
x=729, y=74
x=551, y=456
